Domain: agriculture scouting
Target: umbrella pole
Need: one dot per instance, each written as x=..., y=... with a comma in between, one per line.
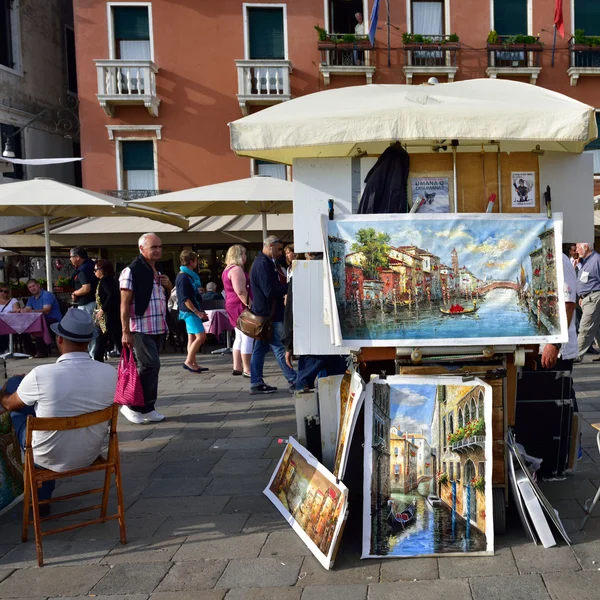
x=48, y=252
x=264, y=226
x=455, y=180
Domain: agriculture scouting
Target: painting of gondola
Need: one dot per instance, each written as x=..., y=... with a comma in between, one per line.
x=310, y=499
x=427, y=468
x=445, y=280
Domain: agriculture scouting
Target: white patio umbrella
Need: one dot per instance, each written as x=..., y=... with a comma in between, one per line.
x=48, y=198
x=251, y=196
x=352, y=121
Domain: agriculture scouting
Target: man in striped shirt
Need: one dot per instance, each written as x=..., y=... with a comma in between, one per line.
x=144, y=293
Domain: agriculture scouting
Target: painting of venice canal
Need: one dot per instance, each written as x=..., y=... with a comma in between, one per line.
x=447, y=280
x=427, y=470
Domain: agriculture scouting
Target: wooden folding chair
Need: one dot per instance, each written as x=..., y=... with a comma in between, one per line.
x=34, y=476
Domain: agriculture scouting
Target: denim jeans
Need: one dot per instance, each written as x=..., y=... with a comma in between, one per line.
x=147, y=356
x=19, y=421
x=89, y=309
x=258, y=357
x=310, y=365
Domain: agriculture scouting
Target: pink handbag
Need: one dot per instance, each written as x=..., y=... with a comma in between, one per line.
x=129, y=387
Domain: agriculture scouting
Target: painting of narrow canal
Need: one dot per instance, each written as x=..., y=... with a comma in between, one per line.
x=447, y=279
x=427, y=467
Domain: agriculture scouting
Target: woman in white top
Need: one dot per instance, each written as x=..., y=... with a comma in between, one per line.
x=7, y=305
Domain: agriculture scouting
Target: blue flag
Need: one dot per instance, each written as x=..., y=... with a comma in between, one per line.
x=374, y=17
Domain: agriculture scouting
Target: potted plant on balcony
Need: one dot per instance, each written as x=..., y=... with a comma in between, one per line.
x=341, y=41
x=478, y=483
x=442, y=478
x=583, y=42
x=416, y=41
x=528, y=43
x=62, y=284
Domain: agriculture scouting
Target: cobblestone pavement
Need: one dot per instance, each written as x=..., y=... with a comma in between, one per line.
x=199, y=527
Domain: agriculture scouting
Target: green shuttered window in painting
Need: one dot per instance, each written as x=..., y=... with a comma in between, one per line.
x=587, y=16
x=265, y=29
x=595, y=145
x=510, y=17
x=131, y=23
x=138, y=156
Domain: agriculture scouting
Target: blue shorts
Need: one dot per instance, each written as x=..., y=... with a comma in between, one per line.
x=193, y=324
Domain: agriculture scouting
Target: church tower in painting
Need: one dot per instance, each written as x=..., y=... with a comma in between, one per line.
x=454, y=255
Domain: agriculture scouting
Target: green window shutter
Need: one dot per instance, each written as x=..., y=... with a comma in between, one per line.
x=510, y=17
x=587, y=16
x=138, y=156
x=595, y=145
x=265, y=28
x=131, y=23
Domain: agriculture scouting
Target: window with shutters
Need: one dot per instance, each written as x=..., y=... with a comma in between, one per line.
x=9, y=34
x=587, y=16
x=71, y=65
x=264, y=168
x=265, y=32
x=131, y=33
x=510, y=17
x=138, y=165
x=427, y=17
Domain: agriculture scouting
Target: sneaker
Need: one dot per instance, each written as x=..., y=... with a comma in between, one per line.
x=153, y=416
x=292, y=388
x=131, y=415
x=263, y=388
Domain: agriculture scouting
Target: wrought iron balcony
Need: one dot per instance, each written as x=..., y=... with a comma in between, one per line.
x=436, y=57
x=506, y=57
x=340, y=57
x=585, y=60
x=468, y=443
x=263, y=82
x=128, y=195
x=127, y=82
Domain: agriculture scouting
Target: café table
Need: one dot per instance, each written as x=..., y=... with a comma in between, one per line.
x=218, y=323
x=24, y=322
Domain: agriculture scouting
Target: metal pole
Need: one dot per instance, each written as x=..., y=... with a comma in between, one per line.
x=553, y=45
x=389, y=43
x=264, y=226
x=455, y=179
x=499, y=181
x=48, y=252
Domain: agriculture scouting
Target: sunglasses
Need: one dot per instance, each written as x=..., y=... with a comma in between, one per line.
x=3, y=291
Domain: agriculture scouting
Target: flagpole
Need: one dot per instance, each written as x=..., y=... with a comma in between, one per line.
x=554, y=45
x=387, y=2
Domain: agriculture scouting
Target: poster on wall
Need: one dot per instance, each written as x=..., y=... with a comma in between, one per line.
x=523, y=190
x=432, y=192
x=445, y=280
x=11, y=469
x=427, y=468
x=310, y=499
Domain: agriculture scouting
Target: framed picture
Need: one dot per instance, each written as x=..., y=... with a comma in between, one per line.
x=310, y=499
x=523, y=189
x=427, y=467
x=433, y=191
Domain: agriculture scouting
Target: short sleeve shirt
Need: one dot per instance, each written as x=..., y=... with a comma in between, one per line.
x=73, y=386
x=9, y=307
x=46, y=299
x=85, y=274
x=154, y=320
x=569, y=350
x=588, y=277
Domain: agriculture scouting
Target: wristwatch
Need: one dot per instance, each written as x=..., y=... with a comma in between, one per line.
x=557, y=346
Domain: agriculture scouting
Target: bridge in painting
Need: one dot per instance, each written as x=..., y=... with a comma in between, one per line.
x=494, y=285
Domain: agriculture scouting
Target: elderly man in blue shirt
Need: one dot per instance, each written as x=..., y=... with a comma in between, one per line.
x=45, y=302
x=588, y=291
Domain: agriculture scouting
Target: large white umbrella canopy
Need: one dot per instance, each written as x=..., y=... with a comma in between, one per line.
x=250, y=196
x=366, y=119
x=48, y=198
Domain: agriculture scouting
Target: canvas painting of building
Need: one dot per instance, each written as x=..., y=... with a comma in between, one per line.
x=310, y=499
x=445, y=279
x=428, y=467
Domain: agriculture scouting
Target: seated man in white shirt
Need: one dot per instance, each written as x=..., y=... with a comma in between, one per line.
x=72, y=386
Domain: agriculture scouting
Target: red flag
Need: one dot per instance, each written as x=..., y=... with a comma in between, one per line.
x=558, y=18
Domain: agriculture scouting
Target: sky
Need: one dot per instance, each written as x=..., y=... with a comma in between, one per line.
x=411, y=408
x=485, y=246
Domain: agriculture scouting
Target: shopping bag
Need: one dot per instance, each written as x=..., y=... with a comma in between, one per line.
x=129, y=387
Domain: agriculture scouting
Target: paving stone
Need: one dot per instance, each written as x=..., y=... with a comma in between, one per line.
x=4, y=548
x=260, y=572
x=221, y=547
x=256, y=503
x=245, y=466
x=588, y=554
x=203, y=525
x=54, y=581
x=244, y=454
x=335, y=592
x=284, y=543
x=566, y=586
x=524, y=587
x=274, y=452
x=4, y=573
x=128, y=597
x=137, y=527
x=196, y=467
x=275, y=593
x=144, y=550
x=132, y=578
x=207, y=505
x=266, y=523
x=348, y=570
x=408, y=570
x=226, y=485
x=242, y=443
x=502, y=563
x=203, y=431
x=449, y=589
x=196, y=595
x=249, y=431
x=192, y=576
x=177, y=486
x=536, y=559
x=58, y=552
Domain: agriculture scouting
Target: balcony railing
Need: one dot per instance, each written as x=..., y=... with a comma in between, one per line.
x=345, y=57
x=507, y=58
x=465, y=443
x=439, y=57
x=129, y=195
x=263, y=82
x=585, y=60
x=127, y=82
